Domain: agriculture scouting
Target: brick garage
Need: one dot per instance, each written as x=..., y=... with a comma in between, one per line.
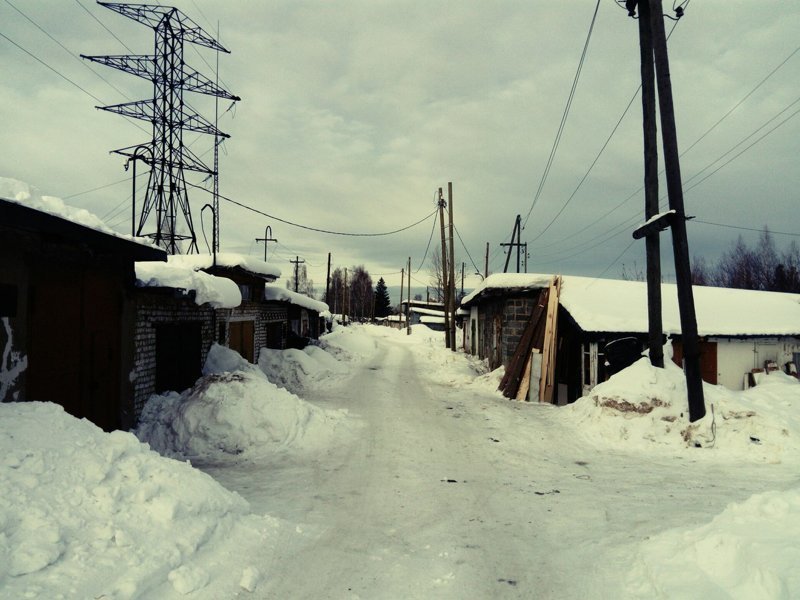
x=172, y=337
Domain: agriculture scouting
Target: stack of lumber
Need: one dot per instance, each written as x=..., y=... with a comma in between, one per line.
x=531, y=370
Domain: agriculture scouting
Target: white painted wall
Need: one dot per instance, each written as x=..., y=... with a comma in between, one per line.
x=737, y=357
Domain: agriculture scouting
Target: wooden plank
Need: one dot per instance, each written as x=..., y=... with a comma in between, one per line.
x=548, y=349
x=514, y=373
x=551, y=367
x=536, y=374
x=525, y=383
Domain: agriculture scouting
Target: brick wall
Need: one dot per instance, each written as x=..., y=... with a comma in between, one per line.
x=151, y=310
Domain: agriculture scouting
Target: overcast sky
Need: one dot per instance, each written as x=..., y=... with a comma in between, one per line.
x=353, y=113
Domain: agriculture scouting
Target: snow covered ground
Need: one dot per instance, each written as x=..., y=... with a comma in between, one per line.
x=381, y=465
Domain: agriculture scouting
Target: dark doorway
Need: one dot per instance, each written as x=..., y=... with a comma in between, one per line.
x=178, y=354
x=275, y=335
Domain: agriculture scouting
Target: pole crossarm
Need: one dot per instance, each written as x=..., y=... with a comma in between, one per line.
x=147, y=110
x=153, y=16
x=144, y=66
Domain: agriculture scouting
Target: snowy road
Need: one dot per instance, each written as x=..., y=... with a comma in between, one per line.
x=444, y=493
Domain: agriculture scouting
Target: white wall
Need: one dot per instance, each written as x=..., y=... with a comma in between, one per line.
x=737, y=357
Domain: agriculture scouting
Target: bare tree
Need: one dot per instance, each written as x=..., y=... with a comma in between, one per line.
x=362, y=294
x=304, y=284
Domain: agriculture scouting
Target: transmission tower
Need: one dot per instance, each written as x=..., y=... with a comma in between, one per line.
x=170, y=117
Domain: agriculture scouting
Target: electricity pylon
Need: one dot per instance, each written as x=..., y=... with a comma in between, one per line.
x=170, y=117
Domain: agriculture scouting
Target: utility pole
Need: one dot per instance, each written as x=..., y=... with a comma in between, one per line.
x=328, y=280
x=486, y=262
x=296, y=262
x=345, y=299
x=402, y=289
x=652, y=241
x=516, y=235
x=445, y=285
x=408, y=311
x=680, y=243
x=266, y=239
x=452, y=277
x=462, y=278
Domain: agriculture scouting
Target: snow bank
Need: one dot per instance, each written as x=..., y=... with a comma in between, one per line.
x=297, y=370
x=235, y=410
x=748, y=551
x=643, y=407
x=87, y=514
x=354, y=342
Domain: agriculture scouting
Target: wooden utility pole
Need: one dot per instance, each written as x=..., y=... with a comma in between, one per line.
x=680, y=243
x=402, y=288
x=408, y=311
x=462, y=278
x=266, y=239
x=328, y=280
x=345, y=299
x=516, y=234
x=296, y=262
x=652, y=242
x=486, y=262
x=452, y=278
x=445, y=285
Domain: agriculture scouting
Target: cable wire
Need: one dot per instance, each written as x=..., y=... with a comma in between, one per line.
x=309, y=228
x=564, y=116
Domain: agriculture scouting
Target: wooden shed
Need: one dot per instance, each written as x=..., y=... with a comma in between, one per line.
x=66, y=303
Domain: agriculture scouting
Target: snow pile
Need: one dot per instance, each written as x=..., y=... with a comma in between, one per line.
x=297, y=370
x=234, y=410
x=87, y=514
x=750, y=550
x=219, y=292
x=454, y=369
x=643, y=407
x=354, y=342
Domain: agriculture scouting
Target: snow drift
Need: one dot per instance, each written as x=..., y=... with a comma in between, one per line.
x=235, y=410
x=643, y=407
x=88, y=514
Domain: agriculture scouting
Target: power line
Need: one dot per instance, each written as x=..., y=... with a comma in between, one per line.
x=743, y=228
x=564, y=116
x=309, y=228
x=114, y=35
x=428, y=247
x=740, y=102
x=689, y=179
x=67, y=50
x=594, y=162
x=64, y=77
x=465, y=249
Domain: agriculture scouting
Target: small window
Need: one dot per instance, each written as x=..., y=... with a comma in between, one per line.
x=245, y=291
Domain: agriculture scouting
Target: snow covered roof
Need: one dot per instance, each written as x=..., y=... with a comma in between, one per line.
x=606, y=305
x=433, y=320
x=281, y=294
x=21, y=193
x=219, y=292
x=427, y=311
x=229, y=260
